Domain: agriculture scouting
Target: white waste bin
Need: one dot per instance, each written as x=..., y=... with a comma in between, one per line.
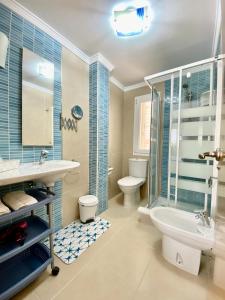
x=88, y=207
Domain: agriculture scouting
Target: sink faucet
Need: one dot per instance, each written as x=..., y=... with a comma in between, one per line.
x=203, y=216
x=43, y=156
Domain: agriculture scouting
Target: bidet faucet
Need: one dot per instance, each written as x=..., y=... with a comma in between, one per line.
x=203, y=216
x=43, y=156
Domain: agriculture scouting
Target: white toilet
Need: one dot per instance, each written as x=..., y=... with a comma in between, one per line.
x=130, y=185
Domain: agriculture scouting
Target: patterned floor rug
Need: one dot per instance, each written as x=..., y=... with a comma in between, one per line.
x=75, y=238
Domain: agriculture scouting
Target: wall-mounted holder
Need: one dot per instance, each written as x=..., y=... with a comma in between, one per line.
x=71, y=124
x=67, y=123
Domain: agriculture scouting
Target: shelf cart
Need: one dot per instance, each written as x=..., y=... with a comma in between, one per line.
x=21, y=264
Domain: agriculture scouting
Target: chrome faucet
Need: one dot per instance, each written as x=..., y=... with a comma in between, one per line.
x=43, y=156
x=203, y=216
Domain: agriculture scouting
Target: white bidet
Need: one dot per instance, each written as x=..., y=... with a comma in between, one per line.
x=183, y=238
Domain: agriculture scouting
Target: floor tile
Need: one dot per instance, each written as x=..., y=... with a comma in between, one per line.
x=125, y=263
x=165, y=281
x=97, y=283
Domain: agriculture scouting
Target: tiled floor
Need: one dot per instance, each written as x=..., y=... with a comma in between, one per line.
x=124, y=264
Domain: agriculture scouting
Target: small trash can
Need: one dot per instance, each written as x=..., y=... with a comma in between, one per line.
x=88, y=207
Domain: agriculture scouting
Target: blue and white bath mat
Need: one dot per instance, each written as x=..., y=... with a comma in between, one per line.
x=75, y=238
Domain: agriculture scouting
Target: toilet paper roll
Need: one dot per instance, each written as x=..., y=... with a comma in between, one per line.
x=4, y=42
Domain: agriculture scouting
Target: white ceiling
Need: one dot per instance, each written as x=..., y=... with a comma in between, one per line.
x=181, y=32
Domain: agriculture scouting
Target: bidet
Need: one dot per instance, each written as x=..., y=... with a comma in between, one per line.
x=184, y=237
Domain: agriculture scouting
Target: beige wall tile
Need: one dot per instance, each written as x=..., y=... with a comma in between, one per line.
x=115, y=138
x=75, y=145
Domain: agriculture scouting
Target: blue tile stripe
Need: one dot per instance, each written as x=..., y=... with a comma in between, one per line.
x=22, y=33
x=98, y=135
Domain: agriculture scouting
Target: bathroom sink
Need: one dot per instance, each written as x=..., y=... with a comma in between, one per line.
x=8, y=165
x=46, y=173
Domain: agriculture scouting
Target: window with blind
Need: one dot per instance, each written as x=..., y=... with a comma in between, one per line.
x=142, y=119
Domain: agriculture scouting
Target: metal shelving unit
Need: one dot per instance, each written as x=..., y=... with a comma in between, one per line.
x=21, y=264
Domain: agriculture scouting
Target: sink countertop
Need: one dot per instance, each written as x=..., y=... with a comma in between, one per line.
x=33, y=171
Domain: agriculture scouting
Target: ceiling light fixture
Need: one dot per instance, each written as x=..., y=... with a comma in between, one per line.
x=131, y=18
x=188, y=75
x=4, y=42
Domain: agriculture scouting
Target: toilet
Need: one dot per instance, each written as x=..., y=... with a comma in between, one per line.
x=131, y=184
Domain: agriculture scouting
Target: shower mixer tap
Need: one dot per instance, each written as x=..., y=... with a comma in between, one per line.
x=219, y=155
x=203, y=216
x=188, y=93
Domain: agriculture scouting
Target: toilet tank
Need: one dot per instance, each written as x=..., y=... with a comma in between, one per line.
x=138, y=167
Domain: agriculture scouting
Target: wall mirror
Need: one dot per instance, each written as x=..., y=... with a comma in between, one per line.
x=37, y=100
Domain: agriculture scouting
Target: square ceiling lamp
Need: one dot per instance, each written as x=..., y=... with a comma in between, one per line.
x=4, y=42
x=131, y=18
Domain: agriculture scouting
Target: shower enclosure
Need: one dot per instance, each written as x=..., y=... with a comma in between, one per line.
x=187, y=120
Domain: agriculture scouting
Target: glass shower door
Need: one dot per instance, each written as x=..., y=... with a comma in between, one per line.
x=196, y=122
x=192, y=123
x=173, y=136
x=218, y=202
x=154, y=148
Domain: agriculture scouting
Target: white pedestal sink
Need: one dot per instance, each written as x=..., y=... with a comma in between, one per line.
x=46, y=173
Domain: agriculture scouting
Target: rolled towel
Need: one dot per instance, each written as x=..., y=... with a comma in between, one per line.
x=4, y=209
x=18, y=199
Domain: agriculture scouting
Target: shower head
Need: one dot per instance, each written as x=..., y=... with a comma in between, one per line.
x=185, y=86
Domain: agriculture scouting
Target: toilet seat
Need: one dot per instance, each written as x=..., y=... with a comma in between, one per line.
x=131, y=181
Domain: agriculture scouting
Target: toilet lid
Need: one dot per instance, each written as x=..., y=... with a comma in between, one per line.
x=88, y=200
x=131, y=181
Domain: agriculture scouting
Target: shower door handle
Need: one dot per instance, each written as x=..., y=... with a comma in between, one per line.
x=219, y=155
